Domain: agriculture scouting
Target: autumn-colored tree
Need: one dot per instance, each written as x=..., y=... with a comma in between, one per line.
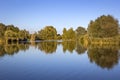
x=64, y=35
x=2, y=30
x=12, y=28
x=48, y=33
x=80, y=31
x=23, y=34
x=103, y=26
x=68, y=34
x=59, y=37
x=10, y=33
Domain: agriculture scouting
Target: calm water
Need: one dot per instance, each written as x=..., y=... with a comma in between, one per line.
x=59, y=61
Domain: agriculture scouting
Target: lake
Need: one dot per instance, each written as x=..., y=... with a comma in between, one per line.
x=51, y=60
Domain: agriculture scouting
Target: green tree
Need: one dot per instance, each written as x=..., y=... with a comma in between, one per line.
x=23, y=34
x=48, y=33
x=42, y=34
x=104, y=26
x=2, y=30
x=10, y=33
x=71, y=34
x=64, y=35
x=12, y=27
x=68, y=34
x=59, y=37
x=80, y=31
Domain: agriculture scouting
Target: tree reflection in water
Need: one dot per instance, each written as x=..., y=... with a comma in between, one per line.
x=68, y=45
x=103, y=57
x=80, y=49
x=11, y=49
x=2, y=50
x=47, y=46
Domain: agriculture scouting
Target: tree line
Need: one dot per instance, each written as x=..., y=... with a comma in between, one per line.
x=10, y=31
x=105, y=26
x=47, y=33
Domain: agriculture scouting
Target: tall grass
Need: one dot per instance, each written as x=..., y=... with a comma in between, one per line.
x=86, y=40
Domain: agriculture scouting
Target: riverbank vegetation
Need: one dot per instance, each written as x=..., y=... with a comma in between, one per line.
x=103, y=30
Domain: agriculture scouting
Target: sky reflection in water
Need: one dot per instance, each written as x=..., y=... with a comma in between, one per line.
x=58, y=61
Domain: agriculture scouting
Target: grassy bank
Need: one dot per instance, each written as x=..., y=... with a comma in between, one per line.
x=104, y=40
x=85, y=40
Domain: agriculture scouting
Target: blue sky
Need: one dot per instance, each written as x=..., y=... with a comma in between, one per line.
x=34, y=15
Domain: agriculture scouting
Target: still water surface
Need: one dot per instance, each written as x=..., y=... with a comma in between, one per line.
x=59, y=61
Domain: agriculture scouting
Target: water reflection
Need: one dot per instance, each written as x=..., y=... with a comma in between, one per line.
x=11, y=49
x=68, y=45
x=47, y=47
x=80, y=49
x=2, y=50
x=105, y=56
